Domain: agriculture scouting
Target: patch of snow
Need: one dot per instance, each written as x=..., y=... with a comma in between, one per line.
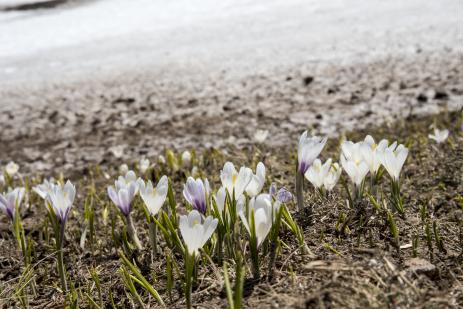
x=118, y=35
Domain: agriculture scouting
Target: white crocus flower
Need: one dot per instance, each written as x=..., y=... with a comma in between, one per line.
x=308, y=150
x=196, y=194
x=153, y=198
x=11, y=169
x=61, y=199
x=234, y=181
x=263, y=217
x=393, y=160
x=124, y=190
x=372, y=153
x=317, y=172
x=143, y=165
x=194, y=233
x=11, y=199
x=332, y=177
x=44, y=188
x=257, y=181
x=353, y=163
x=186, y=158
x=260, y=136
x=439, y=136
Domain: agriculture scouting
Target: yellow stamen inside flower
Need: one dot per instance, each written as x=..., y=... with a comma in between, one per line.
x=234, y=178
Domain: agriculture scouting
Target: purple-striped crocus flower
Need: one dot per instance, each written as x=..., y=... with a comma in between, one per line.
x=123, y=193
x=308, y=150
x=195, y=193
x=9, y=200
x=61, y=198
x=284, y=196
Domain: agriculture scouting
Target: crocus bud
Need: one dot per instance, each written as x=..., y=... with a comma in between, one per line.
x=186, y=158
x=123, y=169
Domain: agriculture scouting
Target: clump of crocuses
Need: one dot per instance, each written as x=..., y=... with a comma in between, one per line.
x=308, y=150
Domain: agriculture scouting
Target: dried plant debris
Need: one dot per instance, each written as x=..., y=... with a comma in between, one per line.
x=124, y=250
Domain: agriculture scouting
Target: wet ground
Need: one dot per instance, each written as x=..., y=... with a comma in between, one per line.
x=71, y=126
x=87, y=83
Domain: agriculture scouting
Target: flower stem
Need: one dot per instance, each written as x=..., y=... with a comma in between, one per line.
x=153, y=238
x=255, y=261
x=299, y=190
x=61, y=268
x=189, y=270
x=132, y=232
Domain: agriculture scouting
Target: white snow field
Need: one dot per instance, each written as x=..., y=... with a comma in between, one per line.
x=95, y=38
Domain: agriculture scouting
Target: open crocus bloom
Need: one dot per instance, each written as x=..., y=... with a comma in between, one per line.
x=122, y=194
x=439, y=135
x=332, y=176
x=43, y=189
x=11, y=168
x=309, y=149
x=195, y=193
x=353, y=163
x=61, y=199
x=263, y=217
x=195, y=234
x=234, y=181
x=153, y=198
x=9, y=200
x=317, y=172
x=372, y=153
x=393, y=160
x=257, y=181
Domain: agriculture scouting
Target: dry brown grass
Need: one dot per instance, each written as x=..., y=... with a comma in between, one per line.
x=358, y=268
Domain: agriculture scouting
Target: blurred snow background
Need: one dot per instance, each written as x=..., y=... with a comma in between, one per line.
x=93, y=38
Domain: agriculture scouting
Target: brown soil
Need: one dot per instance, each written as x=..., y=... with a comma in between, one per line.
x=63, y=127
x=361, y=267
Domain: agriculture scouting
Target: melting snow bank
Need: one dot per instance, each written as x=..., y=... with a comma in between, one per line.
x=95, y=39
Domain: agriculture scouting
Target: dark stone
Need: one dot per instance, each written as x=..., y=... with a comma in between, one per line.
x=308, y=80
x=422, y=98
x=441, y=95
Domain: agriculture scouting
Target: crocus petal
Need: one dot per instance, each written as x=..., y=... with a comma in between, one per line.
x=220, y=199
x=113, y=195
x=262, y=224
x=194, y=233
x=257, y=181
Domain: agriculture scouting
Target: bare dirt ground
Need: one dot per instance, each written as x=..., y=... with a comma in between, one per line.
x=93, y=82
x=84, y=104
x=72, y=126
x=352, y=251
